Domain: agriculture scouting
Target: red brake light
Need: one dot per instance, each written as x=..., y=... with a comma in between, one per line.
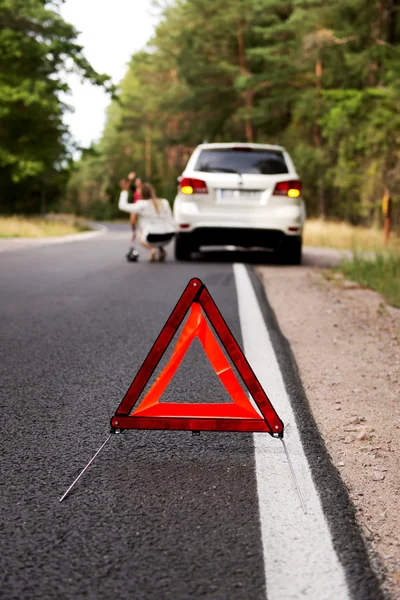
x=188, y=186
x=288, y=188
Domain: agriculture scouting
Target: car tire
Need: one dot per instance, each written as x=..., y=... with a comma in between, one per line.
x=183, y=248
x=292, y=248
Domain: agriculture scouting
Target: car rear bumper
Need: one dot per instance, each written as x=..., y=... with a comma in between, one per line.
x=241, y=237
x=288, y=219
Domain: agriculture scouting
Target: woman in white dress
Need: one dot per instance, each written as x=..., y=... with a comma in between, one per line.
x=153, y=219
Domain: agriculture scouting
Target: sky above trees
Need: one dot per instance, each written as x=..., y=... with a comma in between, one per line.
x=110, y=33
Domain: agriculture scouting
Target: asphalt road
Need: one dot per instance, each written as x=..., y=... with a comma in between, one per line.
x=160, y=514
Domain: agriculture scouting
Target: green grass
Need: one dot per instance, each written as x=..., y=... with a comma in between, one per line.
x=381, y=273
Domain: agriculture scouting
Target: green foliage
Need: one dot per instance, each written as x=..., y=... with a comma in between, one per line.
x=363, y=128
x=320, y=78
x=103, y=211
x=36, y=45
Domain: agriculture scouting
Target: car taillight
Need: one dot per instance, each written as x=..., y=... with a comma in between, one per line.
x=288, y=188
x=188, y=186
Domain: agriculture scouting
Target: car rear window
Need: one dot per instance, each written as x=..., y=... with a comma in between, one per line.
x=248, y=160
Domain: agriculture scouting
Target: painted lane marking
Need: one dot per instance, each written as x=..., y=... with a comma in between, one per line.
x=299, y=558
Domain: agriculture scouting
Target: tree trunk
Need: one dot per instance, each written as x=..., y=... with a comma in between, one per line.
x=316, y=127
x=247, y=95
x=317, y=136
x=375, y=66
x=43, y=201
x=147, y=155
x=393, y=11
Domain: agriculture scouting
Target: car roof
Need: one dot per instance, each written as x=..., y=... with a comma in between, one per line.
x=215, y=146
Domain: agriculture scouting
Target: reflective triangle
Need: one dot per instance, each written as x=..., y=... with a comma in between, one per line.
x=240, y=415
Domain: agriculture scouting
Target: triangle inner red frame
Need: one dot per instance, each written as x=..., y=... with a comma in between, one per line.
x=237, y=416
x=197, y=327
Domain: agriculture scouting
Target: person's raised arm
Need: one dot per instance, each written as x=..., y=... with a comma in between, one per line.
x=123, y=203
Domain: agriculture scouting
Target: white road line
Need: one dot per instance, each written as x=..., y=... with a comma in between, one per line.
x=300, y=562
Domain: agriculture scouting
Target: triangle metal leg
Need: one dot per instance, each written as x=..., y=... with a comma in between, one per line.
x=294, y=476
x=83, y=470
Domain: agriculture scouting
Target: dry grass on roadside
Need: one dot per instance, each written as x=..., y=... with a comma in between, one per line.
x=373, y=265
x=342, y=235
x=36, y=227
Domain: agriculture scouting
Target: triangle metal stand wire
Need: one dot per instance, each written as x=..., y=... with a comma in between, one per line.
x=296, y=483
x=85, y=468
x=91, y=461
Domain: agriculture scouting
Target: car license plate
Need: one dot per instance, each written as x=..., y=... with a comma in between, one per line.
x=233, y=196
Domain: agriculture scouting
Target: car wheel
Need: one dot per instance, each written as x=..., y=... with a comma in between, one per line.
x=183, y=249
x=291, y=254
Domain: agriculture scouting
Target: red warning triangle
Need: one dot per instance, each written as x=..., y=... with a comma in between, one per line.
x=240, y=415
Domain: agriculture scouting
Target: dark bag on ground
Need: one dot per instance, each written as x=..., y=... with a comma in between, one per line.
x=159, y=238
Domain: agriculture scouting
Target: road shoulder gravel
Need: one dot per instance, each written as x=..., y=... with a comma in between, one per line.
x=346, y=340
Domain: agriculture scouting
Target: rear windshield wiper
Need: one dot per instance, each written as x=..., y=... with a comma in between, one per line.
x=220, y=170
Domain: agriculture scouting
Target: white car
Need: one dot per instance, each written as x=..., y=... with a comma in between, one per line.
x=243, y=195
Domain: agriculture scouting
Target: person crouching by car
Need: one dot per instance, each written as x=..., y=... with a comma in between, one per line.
x=152, y=217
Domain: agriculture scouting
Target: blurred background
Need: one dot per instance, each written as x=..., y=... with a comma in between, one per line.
x=321, y=78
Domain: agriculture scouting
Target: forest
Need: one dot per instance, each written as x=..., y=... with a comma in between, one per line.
x=320, y=78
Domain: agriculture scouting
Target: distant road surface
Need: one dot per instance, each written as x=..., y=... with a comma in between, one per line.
x=160, y=515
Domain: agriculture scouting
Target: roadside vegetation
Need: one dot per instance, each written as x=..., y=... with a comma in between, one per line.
x=36, y=227
x=37, y=51
x=343, y=236
x=320, y=78
x=372, y=264
x=381, y=273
